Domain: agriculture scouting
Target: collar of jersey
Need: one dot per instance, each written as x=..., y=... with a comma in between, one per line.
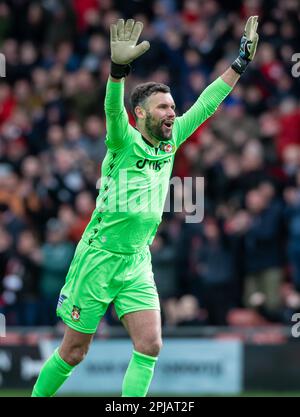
x=149, y=143
x=146, y=140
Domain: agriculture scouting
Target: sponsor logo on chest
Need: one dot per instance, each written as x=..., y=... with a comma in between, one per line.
x=155, y=165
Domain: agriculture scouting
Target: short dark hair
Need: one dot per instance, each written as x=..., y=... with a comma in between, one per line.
x=142, y=91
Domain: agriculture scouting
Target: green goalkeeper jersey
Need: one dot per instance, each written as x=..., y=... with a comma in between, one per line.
x=135, y=175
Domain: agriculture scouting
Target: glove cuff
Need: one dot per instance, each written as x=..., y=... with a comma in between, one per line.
x=240, y=65
x=119, y=70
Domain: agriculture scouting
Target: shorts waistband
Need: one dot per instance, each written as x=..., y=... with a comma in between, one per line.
x=96, y=245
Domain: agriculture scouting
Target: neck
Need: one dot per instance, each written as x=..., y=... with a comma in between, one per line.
x=155, y=142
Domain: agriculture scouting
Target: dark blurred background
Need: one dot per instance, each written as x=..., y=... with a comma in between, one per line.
x=241, y=265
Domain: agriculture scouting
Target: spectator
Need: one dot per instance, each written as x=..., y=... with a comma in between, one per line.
x=26, y=262
x=57, y=253
x=84, y=206
x=163, y=262
x=263, y=251
x=216, y=284
x=6, y=249
x=292, y=215
x=189, y=312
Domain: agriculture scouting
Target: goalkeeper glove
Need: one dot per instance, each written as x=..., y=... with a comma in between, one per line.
x=247, y=47
x=123, y=46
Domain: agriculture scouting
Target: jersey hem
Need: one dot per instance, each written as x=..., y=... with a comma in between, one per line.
x=97, y=245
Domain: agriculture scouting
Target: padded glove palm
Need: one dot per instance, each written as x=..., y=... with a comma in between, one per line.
x=123, y=41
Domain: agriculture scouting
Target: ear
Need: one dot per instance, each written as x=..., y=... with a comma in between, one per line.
x=140, y=112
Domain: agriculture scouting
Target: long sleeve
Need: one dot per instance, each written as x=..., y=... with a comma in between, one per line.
x=202, y=109
x=117, y=124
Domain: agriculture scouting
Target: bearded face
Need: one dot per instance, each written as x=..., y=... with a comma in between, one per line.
x=159, y=116
x=160, y=129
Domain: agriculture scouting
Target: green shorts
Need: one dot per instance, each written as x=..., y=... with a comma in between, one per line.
x=98, y=277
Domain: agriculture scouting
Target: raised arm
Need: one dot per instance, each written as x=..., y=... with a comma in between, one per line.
x=216, y=92
x=124, y=50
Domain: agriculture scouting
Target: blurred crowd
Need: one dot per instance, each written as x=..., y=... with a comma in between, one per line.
x=241, y=264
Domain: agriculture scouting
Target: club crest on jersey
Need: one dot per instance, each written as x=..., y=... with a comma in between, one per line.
x=75, y=313
x=166, y=148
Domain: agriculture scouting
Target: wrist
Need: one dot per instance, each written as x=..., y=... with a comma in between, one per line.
x=119, y=70
x=240, y=65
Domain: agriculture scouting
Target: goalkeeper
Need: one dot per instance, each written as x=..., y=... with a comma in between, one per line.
x=112, y=262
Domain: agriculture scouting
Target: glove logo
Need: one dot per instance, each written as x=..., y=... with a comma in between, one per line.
x=249, y=44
